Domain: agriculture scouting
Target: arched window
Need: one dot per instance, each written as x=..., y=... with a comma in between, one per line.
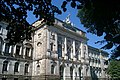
x=26, y=68
x=28, y=50
x=61, y=71
x=38, y=69
x=52, y=69
x=71, y=72
x=5, y=66
x=16, y=67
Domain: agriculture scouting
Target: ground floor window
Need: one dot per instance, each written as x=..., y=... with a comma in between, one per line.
x=15, y=78
x=61, y=72
x=4, y=78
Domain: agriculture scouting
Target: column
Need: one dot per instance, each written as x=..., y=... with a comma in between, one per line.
x=20, y=53
x=30, y=52
x=11, y=67
x=65, y=48
x=1, y=66
x=86, y=52
x=10, y=49
x=3, y=50
x=14, y=50
x=48, y=40
x=24, y=52
x=55, y=47
x=102, y=66
x=82, y=51
x=73, y=54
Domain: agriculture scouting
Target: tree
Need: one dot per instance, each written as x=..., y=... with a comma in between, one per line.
x=103, y=17
x=114, y=69
x=15, y=13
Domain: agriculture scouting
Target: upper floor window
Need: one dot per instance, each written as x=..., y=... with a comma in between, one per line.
x=52, y=69
x=39, y=35
x=59, y=50
x=27, y=51
x=7, y=46
x=26, y=68
x=51, y=46
x=52, y=36
x=18, y=49
x=59, y=46
x=16, y=67
x=5, y=66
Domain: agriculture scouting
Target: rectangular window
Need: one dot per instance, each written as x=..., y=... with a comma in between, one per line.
x=59, y=50
x=15, y=78
x=17, y=50
x=4, y=78
x=26, y=68
x=51, y=46
x=27, y=51
x=5, y=65
x=7, y=46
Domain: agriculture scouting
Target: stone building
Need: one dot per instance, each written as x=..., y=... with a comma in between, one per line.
x=58, y=52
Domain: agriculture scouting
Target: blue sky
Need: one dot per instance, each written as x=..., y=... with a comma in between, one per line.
x=73, y=12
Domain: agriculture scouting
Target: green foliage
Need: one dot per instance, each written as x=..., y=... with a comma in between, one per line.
x=102, y=17
x=114, y=69
x=15, y=12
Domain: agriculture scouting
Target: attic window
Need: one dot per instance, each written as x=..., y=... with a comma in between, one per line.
x=53, y=36
x=39, y=35
x=39, y=44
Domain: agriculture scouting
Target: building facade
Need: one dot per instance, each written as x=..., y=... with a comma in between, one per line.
x=58, y=52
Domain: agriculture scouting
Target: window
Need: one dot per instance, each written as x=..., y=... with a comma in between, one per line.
x=16, y=67
x=7, y=46
x=59, y=50
x=26, y=68
x=79, y=72
x=52, y=69
x=53, y=36
x=5, y=65
x=61, y=72
x=71, y=73
x=51, y=46
x=17, y=50
x=4, y=78
x=38, y=69
x=59, y=46
x=27, y=51
x=15, y=78
x=69, y=51
x=39, y=35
